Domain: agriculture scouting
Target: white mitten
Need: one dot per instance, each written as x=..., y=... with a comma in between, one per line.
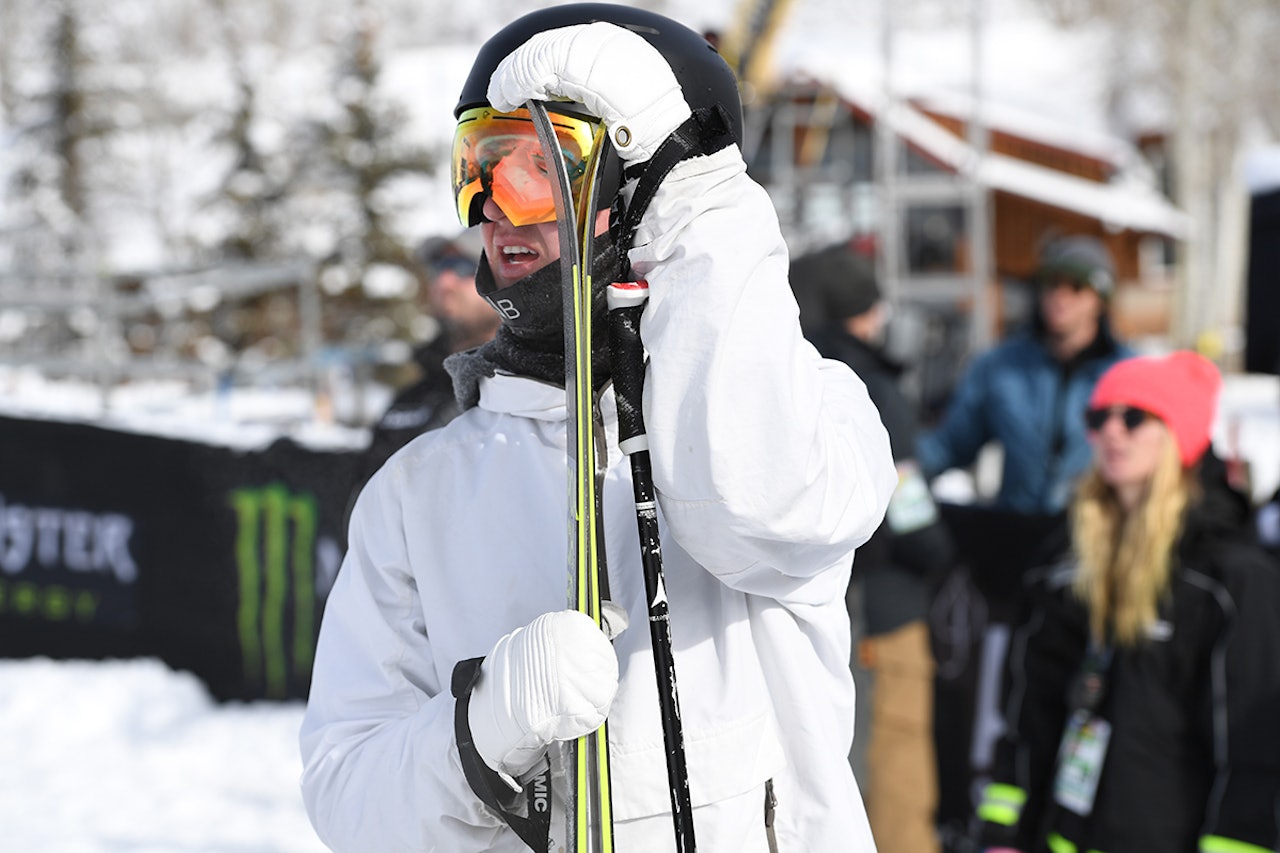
x=552, y=680
x=613, y=72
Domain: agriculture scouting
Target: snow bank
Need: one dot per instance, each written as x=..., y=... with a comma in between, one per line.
x=132, y=757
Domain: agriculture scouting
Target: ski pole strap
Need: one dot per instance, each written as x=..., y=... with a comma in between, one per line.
x=706, y=131
x=492, y=789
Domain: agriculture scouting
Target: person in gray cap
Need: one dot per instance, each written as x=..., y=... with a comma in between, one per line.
x=894, y=572
x=1029, y=392
x=465, y=319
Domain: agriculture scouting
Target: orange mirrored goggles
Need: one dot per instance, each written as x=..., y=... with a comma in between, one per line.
x=498, y=155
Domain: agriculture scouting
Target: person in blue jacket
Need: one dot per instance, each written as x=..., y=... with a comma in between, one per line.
x=1029, y=392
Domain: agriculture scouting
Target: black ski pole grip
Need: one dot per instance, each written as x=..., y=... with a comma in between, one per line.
x=626, y=305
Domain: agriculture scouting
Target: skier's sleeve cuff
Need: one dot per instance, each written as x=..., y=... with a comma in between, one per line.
x=1002, y=804
x=1219, y=844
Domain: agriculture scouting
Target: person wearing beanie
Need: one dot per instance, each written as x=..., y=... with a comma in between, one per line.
x=1027, y=393
x=464, y=320
x=894, y=573
x=1142, y=685
x=1078, y=261
x=449, y=266
x=832, y=285
x=1181, y=389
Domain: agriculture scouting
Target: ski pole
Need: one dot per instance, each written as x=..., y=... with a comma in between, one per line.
x=626, y=304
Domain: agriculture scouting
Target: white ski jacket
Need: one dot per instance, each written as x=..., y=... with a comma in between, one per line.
x=771, y=466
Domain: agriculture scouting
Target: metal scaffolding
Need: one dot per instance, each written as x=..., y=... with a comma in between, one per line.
x=899, y=193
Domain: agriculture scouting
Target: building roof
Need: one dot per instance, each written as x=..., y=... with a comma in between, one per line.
x=1126, y=202
x=1130, y=201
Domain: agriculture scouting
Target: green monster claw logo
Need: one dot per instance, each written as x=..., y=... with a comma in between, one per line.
x=275, y=556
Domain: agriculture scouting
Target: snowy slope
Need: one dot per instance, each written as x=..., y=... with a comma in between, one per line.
x=130, y=757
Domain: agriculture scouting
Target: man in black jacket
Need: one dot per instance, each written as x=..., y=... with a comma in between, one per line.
x=465, y=320
x=893, y=573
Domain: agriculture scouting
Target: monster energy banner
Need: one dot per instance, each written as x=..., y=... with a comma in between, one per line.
x=114, y=544
x=275, y=553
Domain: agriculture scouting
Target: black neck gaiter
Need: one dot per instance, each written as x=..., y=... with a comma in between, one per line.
x=530, y=341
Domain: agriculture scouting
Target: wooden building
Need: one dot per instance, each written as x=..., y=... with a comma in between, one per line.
x=814, y=146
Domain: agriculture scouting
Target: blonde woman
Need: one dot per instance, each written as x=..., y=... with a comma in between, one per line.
x=1143, y=683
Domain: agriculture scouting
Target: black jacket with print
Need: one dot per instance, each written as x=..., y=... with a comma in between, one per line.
x=1194, y=756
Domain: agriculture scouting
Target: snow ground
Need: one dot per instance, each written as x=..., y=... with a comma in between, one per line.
x=131, y=757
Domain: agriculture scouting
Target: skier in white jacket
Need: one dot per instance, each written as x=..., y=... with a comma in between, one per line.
x=771, y=467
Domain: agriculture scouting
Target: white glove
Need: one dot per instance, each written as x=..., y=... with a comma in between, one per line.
x=552, y=680
x=613, y=72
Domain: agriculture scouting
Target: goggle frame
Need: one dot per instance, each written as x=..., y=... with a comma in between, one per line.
x=472, y=176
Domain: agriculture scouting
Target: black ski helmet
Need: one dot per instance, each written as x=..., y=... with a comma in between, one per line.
x=705, y=77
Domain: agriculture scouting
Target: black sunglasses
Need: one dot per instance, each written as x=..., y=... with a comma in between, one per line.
x=1096, y=419
x=456, y=264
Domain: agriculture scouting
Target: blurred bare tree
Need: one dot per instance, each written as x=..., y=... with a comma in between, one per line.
x=1209, y=69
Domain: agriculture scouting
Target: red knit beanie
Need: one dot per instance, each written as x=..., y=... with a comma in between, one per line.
x=1180, y=388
